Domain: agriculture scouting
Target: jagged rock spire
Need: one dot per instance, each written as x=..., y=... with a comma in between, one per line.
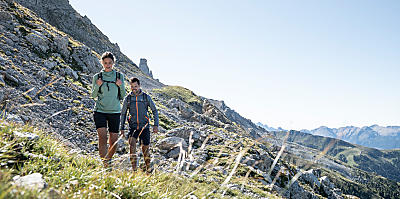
x=145, y=69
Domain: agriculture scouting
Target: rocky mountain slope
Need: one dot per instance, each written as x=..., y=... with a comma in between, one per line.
x=45, y=82
x=232, y=115
x=61, y=15
x=374, y=136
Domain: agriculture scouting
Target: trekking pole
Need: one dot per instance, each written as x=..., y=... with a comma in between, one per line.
x=148, y=120
x=116, y=142
x=142, y=129
x=122, y=135
x=140, y=143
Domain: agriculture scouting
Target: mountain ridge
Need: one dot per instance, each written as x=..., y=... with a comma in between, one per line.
x=374, y=136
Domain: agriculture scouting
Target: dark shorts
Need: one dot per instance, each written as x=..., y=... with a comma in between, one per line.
x=110, y=120
x=144, y=137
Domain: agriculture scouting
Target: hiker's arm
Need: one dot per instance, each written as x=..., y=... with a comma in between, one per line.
x=154, y=111
x=95, y=87
x=122, y=87
x=123, y=113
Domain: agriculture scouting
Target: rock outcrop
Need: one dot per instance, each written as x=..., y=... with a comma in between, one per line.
x=144, y=68
x=31, y=181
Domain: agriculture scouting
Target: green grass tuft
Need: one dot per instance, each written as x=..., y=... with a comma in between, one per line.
x=181, y=93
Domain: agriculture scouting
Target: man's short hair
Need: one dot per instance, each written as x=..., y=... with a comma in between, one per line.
x=134, y=79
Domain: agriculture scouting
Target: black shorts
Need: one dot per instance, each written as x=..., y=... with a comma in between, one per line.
x=112, y=119
x=144, y=137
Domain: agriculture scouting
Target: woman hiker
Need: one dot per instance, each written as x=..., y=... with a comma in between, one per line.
x=108, y=89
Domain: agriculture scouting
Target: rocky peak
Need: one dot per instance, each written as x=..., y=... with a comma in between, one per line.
x=144, y=68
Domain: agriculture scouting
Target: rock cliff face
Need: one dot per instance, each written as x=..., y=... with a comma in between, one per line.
x=61, y=15
x=45, y=81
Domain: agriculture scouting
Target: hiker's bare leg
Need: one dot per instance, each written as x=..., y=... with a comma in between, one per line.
x=112, y=147
x=132, y=149
x=102, y=133
x=146, y=154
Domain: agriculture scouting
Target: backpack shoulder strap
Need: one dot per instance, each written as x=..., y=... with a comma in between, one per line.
x=145, y=97
x=129, y=101
x=128, y=107
x=117, y=76
x=100, y=76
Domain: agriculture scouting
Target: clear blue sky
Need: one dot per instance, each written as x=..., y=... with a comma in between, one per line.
x=293, y=64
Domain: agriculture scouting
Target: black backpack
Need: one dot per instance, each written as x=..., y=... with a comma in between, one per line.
x=118, y=76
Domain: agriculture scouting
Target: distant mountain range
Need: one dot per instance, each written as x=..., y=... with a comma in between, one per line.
x=371, y=136
x=266, y=127
x=374, y=136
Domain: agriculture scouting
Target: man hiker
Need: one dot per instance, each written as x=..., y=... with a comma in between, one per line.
x=108, y=89
x=138, y=102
